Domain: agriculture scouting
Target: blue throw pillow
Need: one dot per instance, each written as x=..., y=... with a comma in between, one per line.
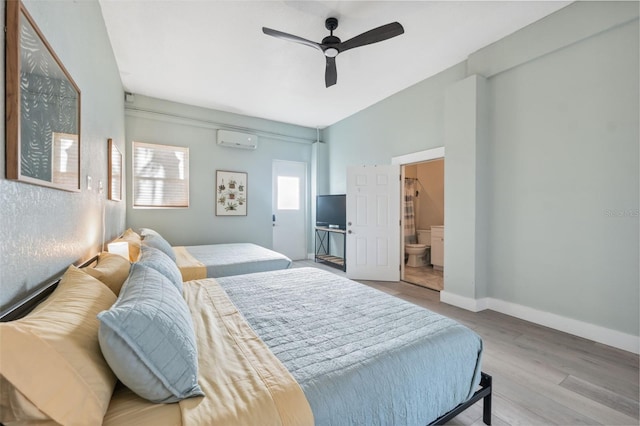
x=156, y=241
x=148, y=340
x=148, y=231
x=159, y=261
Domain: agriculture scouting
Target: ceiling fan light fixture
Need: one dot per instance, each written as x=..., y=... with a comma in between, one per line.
x=331, y=52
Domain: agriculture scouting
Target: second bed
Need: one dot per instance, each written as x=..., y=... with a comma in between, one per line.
x=221, y=260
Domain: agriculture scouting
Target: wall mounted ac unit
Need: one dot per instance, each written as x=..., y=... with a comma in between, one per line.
x=237, y=139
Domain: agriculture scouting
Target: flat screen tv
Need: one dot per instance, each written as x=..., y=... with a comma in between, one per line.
x=331, y=211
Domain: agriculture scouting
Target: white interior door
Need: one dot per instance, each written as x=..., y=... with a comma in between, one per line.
x=289, y=208
x=373, y=222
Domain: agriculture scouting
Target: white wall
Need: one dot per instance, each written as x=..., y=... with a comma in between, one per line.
x=556, y=184
x=43, y=230
x=163, y=122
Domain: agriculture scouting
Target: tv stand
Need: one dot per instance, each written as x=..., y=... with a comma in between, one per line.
x=323, y=247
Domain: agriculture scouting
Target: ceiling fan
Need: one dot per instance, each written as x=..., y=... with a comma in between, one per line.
x=331, y=45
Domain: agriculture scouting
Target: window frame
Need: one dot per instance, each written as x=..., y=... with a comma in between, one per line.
x=134, y=177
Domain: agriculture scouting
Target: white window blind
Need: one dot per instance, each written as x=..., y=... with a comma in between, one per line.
x=160, y=175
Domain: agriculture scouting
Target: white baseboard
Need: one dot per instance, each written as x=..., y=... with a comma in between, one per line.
x=607, y=336
x=473, y=305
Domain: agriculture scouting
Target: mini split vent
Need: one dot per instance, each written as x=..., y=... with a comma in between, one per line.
x=237, y=139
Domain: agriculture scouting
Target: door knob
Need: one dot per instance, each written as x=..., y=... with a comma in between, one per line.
x=349, y=231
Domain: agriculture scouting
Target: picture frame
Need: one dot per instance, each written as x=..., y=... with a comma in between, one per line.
x=115, y=171
x=42, y=108
x=231, y=193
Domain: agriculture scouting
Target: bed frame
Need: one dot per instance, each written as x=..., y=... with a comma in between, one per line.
x=24, y=306
x=483, y=393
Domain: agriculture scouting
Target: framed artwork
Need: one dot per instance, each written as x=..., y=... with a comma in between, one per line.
x=231, y=193
x=115, y=172
x=42, y=108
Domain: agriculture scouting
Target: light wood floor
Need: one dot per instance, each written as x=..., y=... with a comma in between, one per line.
x=540, y=376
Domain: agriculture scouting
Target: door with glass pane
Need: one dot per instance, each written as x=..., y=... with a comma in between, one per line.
x=289, y=208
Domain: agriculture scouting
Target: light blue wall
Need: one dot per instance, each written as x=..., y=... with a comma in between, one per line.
x=409, y=121
x=465, y=188
x=564, y=163
x=43, y=230
x=562, y=174
x=560, y=203
x=158, y=121
x=319, y=186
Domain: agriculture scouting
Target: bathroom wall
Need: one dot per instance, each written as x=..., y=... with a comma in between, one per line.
x=411, y=171
x=430, y=201
x=429, y=204
x=43, y=230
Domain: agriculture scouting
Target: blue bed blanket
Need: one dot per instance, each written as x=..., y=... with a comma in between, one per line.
x=361, y=356
x=222, y=260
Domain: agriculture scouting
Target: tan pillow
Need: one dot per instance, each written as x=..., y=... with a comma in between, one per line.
x=16, y=409
x=52, y=357
x=111, y=269
x=134, y=241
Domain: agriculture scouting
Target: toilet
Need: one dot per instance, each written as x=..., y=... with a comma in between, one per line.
x=419, y=254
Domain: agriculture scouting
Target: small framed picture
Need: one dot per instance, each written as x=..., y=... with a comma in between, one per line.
x=231, y=193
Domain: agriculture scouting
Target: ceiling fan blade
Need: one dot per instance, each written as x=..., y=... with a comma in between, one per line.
x=290, y=37
x=330, y=74
x=373, y=36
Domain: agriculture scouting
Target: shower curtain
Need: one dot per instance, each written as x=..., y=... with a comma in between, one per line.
x=409, y=213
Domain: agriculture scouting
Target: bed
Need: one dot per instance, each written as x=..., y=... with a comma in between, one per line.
x=358, y=353
x=222, y=260
x=295, y=346
x=208, y=261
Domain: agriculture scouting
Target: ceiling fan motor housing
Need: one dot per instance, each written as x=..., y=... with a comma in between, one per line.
x=331, y=24
x=330, y=43
x=330, y=46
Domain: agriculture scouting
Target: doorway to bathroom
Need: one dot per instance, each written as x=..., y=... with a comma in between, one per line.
x=422, y=202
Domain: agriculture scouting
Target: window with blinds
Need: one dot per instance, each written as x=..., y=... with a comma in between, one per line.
x=160, y=175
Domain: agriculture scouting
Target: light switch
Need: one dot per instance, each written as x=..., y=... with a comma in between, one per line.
x=88, y=183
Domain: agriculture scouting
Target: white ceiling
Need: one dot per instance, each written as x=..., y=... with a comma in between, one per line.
x=213, y=53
